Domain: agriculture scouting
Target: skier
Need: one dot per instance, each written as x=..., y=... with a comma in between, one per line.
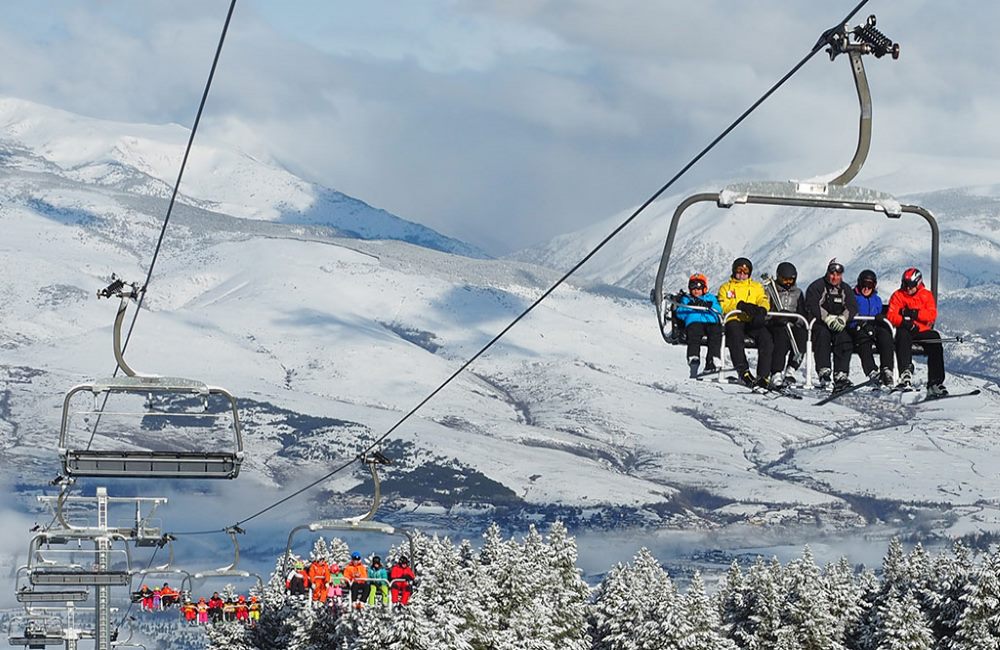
x=229, y=609
x=912, y=311
x=297, y=581
x=378, y=580
x=254, y=610
x=865, y=334
x=335, y=587
x=168, y=596
x=746, y=295
x=190, y=611
x=242, y=609
x=356, y=575
x=319, y=574
x=202, y=611
x=832, y=304
x=401, y=579
x=788, y=335
x=699, y=323
x=215, y=606
x=147, y=598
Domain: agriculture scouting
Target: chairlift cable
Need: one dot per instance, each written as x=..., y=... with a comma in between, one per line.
x=820, y=44
x=170, y=205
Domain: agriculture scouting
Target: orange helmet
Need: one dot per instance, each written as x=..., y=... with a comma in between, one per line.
x=253, y=599
x=242, y=598
x=698, y=281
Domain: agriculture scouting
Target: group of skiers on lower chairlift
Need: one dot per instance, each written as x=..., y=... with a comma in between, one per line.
x=373, y=584
x=834, y=309
x=212, y=610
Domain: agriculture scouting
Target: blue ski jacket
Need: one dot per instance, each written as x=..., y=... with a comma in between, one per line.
x=689, y=316
x=870, y=306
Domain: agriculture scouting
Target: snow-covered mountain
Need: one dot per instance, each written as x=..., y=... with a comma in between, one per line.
x=142, y=160
x=580, y=413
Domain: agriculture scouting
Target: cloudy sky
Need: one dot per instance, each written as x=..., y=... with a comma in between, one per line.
x=507, y=122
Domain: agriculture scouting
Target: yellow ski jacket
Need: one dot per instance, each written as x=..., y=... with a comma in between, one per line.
x=733, y=291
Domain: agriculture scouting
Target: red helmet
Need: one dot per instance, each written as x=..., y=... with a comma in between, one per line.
x=698, y=281
x=912, y=278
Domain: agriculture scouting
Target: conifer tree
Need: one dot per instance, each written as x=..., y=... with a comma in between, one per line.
x=703, y=627
x=635, y=605
x=951, y=576
x=807, y=607
x=979, y=623
x=902, y=624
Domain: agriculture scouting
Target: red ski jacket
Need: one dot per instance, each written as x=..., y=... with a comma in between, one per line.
x=922, y=301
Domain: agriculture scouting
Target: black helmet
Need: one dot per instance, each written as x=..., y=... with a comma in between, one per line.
x=403, y=559
x=867, y=278
x=786, y=274
x=376, y=560
x=742, y=261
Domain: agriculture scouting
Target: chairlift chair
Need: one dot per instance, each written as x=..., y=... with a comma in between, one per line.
x=133, y=462
x=26, y=593
x=44, y=569
x=34, y=630
x=835, y=194
x=364, y=523
x=228, y=571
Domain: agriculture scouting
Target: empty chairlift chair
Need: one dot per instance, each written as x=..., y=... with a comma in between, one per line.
x=835, y=194
x=146, y=426
x=30, y=596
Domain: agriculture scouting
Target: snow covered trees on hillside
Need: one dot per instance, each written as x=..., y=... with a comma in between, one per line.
x=528, y=594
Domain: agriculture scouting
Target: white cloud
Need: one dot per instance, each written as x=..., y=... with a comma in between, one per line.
x=505, y=123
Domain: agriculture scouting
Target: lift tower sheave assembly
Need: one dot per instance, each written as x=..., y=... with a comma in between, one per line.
x=835, y=194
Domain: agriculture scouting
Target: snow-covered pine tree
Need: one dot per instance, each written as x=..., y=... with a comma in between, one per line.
x=571, y=595
x=951, y=576
x=410, y=630
x=807, y=606
x=625, y=611
x=763, y=602
x=862, y=633
x=902, y=624
x=979, y=623
x=274, y=630
x=338, y=551
x=228, y=636
x=731, y=600
x=445, y=597
x=704, y=628
x=533, y=606
x=843, y=596
x=319, y=549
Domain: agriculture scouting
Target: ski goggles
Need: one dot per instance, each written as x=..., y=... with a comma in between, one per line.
x=696, y=284
x=866, y=284
x=835, y=269
x=786, y=282
x=743, y=268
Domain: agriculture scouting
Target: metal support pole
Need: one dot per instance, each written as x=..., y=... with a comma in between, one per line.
x=102, y=636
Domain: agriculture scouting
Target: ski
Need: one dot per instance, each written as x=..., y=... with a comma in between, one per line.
x=844, y=391
x=711, y=373
x=760, y=390
x=949, y=396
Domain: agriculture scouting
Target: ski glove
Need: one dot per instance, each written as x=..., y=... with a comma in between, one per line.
x=835, y=323
x=756, y=313
x=911, y=314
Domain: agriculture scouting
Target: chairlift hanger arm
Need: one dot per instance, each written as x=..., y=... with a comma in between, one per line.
x=863, y=39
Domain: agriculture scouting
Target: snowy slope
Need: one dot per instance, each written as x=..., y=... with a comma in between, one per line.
x=581, y=412
x=144, y=159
